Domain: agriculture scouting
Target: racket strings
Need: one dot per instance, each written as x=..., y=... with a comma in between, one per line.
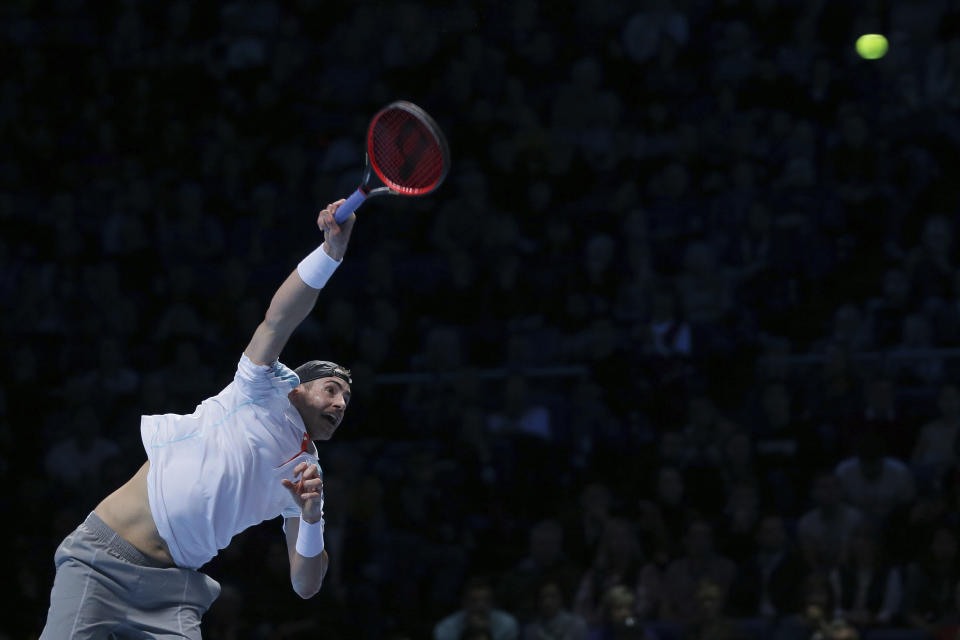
x=406, y=152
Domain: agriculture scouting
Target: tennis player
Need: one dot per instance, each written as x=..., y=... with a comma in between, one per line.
x=243, y=456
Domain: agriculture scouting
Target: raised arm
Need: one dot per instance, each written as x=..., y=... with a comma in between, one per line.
x=296, y=297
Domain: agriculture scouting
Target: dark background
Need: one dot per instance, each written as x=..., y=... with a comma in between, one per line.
x=727, y=175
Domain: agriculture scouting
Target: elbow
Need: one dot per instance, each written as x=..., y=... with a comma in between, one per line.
x=307, y=586
x=307, y=591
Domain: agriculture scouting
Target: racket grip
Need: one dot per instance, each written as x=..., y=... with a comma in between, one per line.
x=349, y=206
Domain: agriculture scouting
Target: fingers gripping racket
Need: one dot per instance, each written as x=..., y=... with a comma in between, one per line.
x=407, y=152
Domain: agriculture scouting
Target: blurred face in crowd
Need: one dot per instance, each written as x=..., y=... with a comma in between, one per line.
x=701, y=412
x=551, y=600
x=896, y=288
x=699, y=539
x=595, y=501
x=871, y=457
x=880, y=394
x=772, y=535
x=619, y=540
x=937, y=236
x=826, y=491
x=670, y=486
x=619, y=602
x=949, y=403
x=816, y=601
x=739, y=450
x=865, y=548
x=546, y=542
x=776, y=405
x=944, y=547
x=478, y=601
x=710, y=600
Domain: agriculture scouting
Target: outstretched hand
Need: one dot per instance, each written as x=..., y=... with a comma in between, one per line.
x=335, y=236
x=307, y=491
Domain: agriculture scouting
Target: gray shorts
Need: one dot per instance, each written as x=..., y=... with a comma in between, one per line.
x=106, y=588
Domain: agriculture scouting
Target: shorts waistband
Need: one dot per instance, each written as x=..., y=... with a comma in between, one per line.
x=102, y=531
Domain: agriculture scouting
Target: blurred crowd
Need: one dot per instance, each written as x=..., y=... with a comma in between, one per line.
x=671, y=355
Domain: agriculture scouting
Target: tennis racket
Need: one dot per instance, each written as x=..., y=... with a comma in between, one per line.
x=406, y=151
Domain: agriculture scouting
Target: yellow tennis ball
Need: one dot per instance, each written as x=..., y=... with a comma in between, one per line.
x=872, y=46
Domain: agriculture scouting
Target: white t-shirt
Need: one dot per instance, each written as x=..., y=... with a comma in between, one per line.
x=893, y=488
x=217, y=471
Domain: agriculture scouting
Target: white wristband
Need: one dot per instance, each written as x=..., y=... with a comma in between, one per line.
x=317, y=268
x=310, y=538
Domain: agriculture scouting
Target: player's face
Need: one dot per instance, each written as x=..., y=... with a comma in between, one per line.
x=322, y=403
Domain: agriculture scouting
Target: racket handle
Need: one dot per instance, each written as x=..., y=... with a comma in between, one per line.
x=349, y=206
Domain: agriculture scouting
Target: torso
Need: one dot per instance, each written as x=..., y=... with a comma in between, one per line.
x=127, y=511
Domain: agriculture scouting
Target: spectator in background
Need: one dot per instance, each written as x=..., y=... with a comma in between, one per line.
x=813, y=613
x=876, y=484
x=834, y=399
x=670, y=334
x=935, y=449
x=226, y=621
x=704, y=434
x=700, y=561
x=586, y=525
x=518, y=414
x=915, y=363
x=851, y=331
x=670, y=507
x=737, y=526
x=618, y=562
x=477, y=610
x=552, y=620
x=617, y=620
x=738, y=464
x=886, y=313
x=784, y=441
x=930, y=265
x=867, y=588
x=930, y=580
x=112, y=376
x=710, y=622
x=948, y=627
x=545, y=560
x=825, y=532
x=705, y=294
x=80, y=453
x=767, y=583
x=947, y=312
x=879, y=415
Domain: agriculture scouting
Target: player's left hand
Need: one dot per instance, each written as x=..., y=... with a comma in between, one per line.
x=307, y=491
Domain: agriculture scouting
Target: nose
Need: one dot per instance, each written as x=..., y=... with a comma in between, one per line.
x=339, y=402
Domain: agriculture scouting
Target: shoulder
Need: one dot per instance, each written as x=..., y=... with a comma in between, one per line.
x=502, y=619
x=263, y=379
x=897, y=466
x=847, y=466
x=807, y=520
x=851, y=514
x=449, y=628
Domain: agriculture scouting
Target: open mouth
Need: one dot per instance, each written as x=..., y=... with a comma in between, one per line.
x=331, y=419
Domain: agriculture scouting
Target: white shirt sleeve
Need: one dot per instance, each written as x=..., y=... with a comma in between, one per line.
x=262, y=382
